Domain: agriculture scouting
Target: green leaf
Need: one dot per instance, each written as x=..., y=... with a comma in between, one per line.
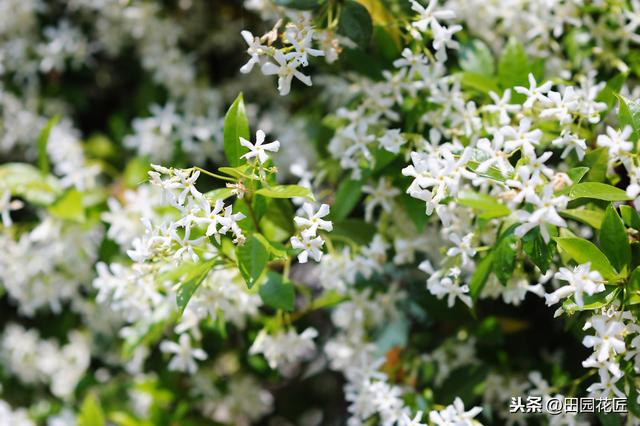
x=135, y=172
x=475, y=57
x=218, y=194
x=593, y=218
x=613, y=239
x=239, y=172
x=480, y=276
x=277, y=222
x=190, y=282
x=69, y=207
x=479, y=82
x=537, y=250
x=91, y=413
x=583, y=251
x=416, y=210
x=252, y=259
x=299, y=4
x=26, y=181
x=632, y=289
x=597, y=191
x=356, y=230
x=608, y=94
x=43, y=139
x=347, y=196
x=630, y=217
x=236, y=126
x=504, y=258
x=277, y=293
x=629, y=115
x=513, y=66
x=355, y=23
x=486, y=204
x=597, y=160
x=577, y=173
x=286, y=191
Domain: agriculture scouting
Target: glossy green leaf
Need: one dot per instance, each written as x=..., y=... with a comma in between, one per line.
x=583, y=251
x=480, y=276
x=504, y=257
x=277, y=293
x=355, y=23
x=629, y=115
x=43, y=139
x=589, y=217
x=539, y=252
x=299, y=4
x=26, y=181
x=488, y=206
x=236, y=125
x=347, y=196
x=286, y=191
x=69, y=207
x=597, y=191
x=476, y=57
x=91, y=413
x=577, y=173
x=630, y=217
x=479, y=82
x=613, y=239
x=190, y=282
x=513, y=65
x=632, y=289
x=252, y=259
x=218, y=194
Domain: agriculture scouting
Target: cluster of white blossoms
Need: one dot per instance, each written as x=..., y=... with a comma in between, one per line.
x=297, y=38
x=285, y=348
x=582, y=280
x=43, y=361
x=309, y=241
x=60, y=259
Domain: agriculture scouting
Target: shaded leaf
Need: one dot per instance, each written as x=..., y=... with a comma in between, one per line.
x=277, y=293
x=613, y=239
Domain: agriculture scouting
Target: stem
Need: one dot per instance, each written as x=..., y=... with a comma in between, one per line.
x=217, y=176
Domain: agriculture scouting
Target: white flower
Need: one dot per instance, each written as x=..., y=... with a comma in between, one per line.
x=581, y=280
x=443, y=39
x=463, y=248
x=571, y=142
x=392, y=140
x=184, y=355
x=534, y=93
x=502, y=106
x=310, y=246
x=522, y=137
x=544, y=213
x=616, y=141
x=255, y=49
x=302, y=48
x=258, y=149
x=381, y=195
x=284, y=348
x=428, y=16
x=608, y=340
x=6, y=206
x=454, y=415
x=285, y=71
x=314, y=220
